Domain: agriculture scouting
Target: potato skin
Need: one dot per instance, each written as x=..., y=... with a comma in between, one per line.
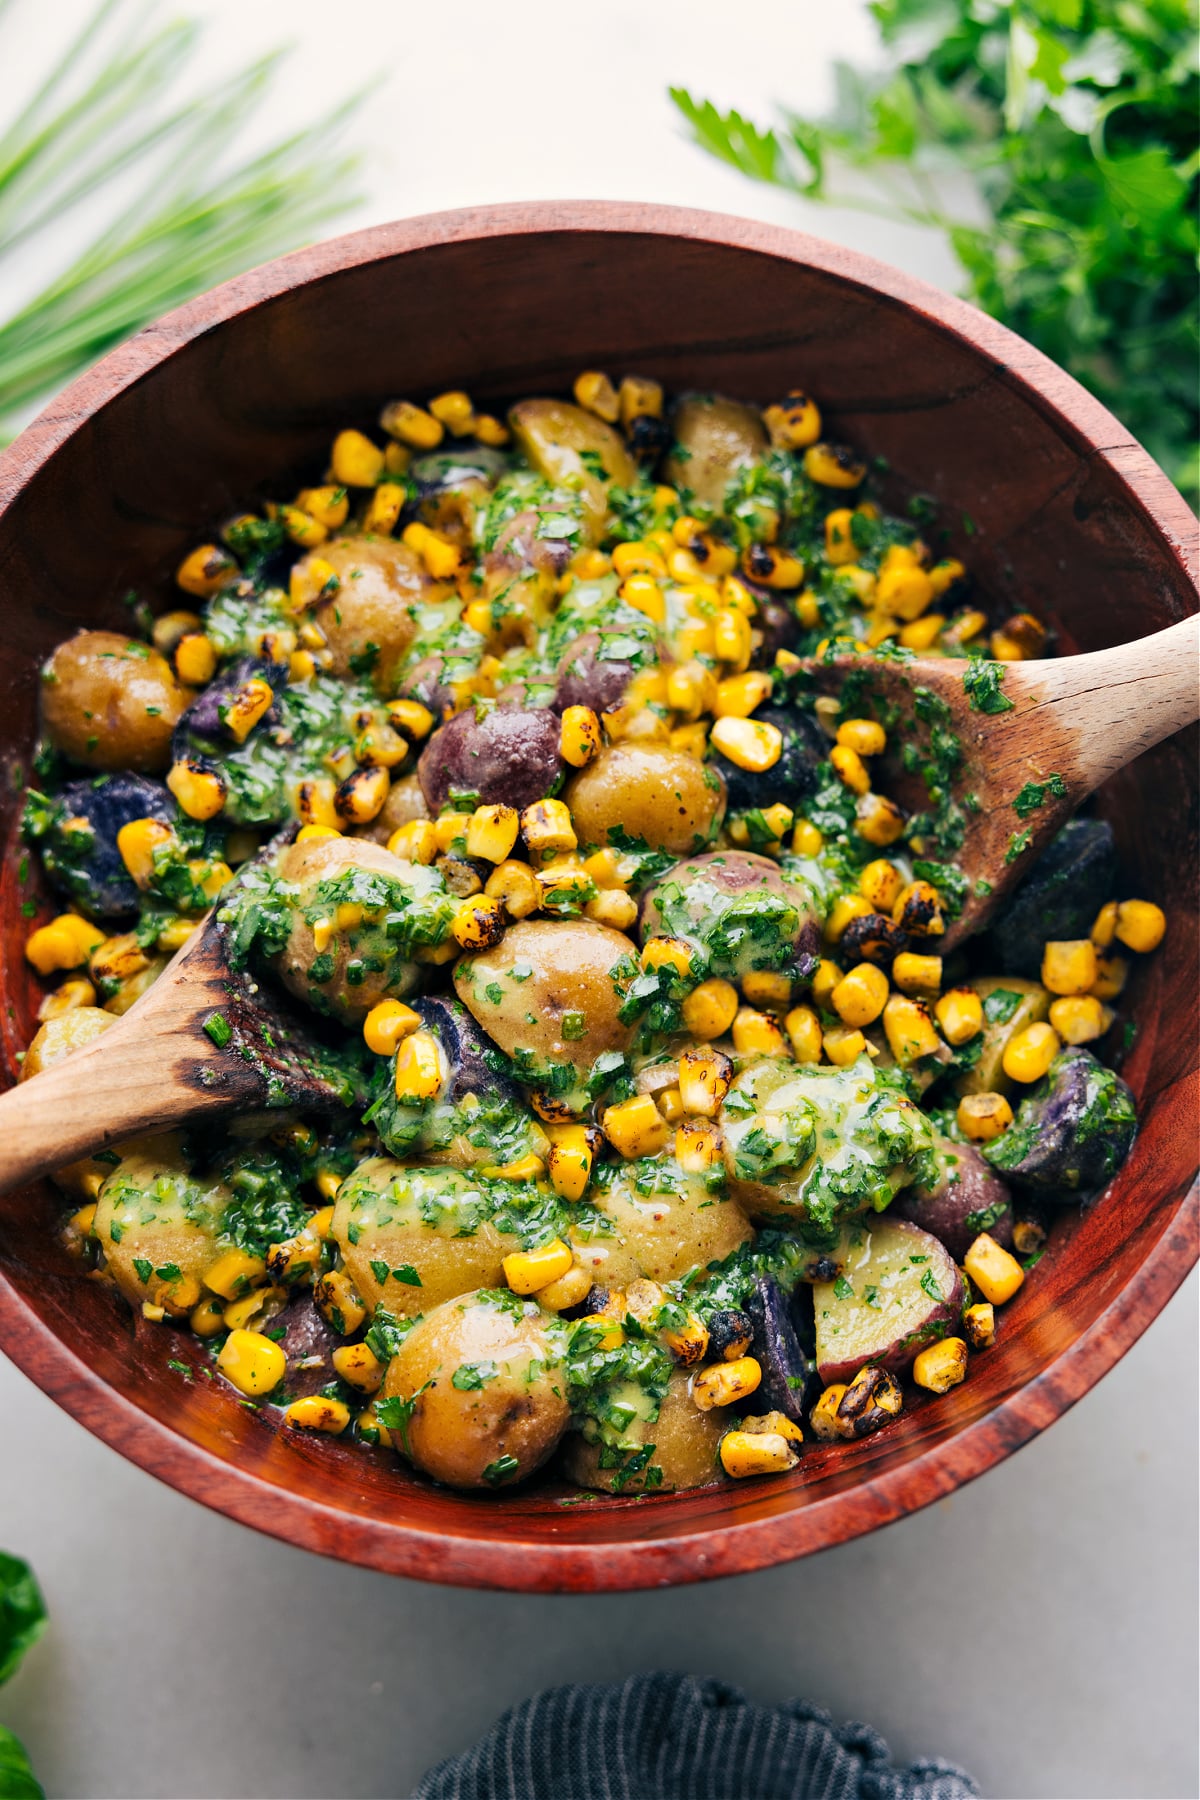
x=694, y=901
x=685, y=1441
x=382, y=581
x=660, y=1235
x=573, y=970
x=555, y=435
x=721, y=436
x=660, y=795
x=177, y=1229
x=405, y=802
x=968, y=1197
x=853, y=1330
x=457, y=1433
x=508, y=756
x=383, y=1214
x=109, y=702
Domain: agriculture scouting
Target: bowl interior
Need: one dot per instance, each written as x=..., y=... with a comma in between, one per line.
x=1038, y=490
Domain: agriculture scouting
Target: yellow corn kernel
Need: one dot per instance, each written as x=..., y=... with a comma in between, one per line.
x=240, y=1314
x=918, y=909
x=199, y=791
x=709, y=1010
x=528, y=1270
x=252, y=700
x=915, y=974
x=453, y=409
x=691, y=689
x=640, y=398
x=608, y=1330
x=860, y=996
x=731, y=639
x=516, y=886
x=864, y=736
x=234, y=1272
x=359, y=1367
x=137, y=842
x=839, y=536
x=740, y=695
x=804, y=1033
x=965, y=627
x=993, y=1271
x=635, y=1127
x=411, y=425
x=825, y=979
x=923, y=633
x=944, y=574
x=328, y=505
x=174, y=936
x=909, y=1029
x=596, y=394
x=638, y=558
x=580, y=736
x=880, y=884
x=880, y=629
x=1112, y=972
x=318, y=1412
x=252, y=1362
x=762, y=987
x=691, y=739
x=302, y=666
x=1079, y=1019
x=694, y=637
x=328, y=1182
x=824, y=1416
x=418, y=1067
x=959, y=1013
x=697, y=1146
x=415, y=842
x=607, y=869
x=301, y=527
x=67, y=998
x=688, y=1343
x=757, y=1034
x=360, y=798
x=878, y=819
x=547, y=829
x=569, y=1290
x=1029, y=1054
x=850, y=768
x=1140, y=925
x=843, y=1044
x=643, y=593
x=941, y=1366
x=833, y=465
x=195, y=659
x=207, y=1319
x=744, y=1454
x=845, y=908
x=490, y=431
x=612, y=908
x=492, y=832
x=982, y=1117
x=570, y=1166
x=979, y=1323
x=338, y=1303
x=668, y=952
x=356, y=461
x=478, y=923
x=752, y=744
x=205, y=571
x=726, y=1383
x=704, y=1080
x=60, y=945
x=806, y=839
x=1069, y=966
x=563, y=887
x=904, y=591
x=169, y=628
x=387, y=1023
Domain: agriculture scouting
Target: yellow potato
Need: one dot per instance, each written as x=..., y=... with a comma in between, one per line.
x=685, y=1442
x=110, y=702
x=661, y=1234
x=556, y=436
x=369, y=623
x=1031, y=1005
x=660, y=795
x=719, y=437
x=158, y=1224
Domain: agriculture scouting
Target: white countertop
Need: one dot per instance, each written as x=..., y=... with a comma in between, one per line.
x=1039, y=1626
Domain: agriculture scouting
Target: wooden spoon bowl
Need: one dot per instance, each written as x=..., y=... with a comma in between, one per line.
x=1045, y=497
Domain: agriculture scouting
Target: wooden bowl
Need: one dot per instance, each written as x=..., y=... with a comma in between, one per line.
x=1047, y=498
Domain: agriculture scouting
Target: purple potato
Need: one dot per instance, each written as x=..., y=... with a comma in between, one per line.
x=308, y=1343
x=776, y=619
x=805, y=746
x=202, y=729
x=900, y=1291
x=507, y=756
x=588, y=677
x=79, y=845
x=1072, y=1133
x=719, y=901
x=966, y=1198
x=788, y=1377
x=471, y=1054
x=1059, y=898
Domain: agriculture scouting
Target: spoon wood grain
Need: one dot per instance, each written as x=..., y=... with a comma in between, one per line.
x=1071, y=722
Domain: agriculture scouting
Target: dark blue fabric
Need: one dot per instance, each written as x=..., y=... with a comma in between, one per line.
x=671, y=1737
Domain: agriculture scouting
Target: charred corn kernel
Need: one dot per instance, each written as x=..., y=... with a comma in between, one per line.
x=515, y=885
x=667, y=952
x=312, y=579
x=804, y=1034
x=843, y=1044
x=386, y=1024
x=492, y=832
x=612, y=908
x=478, y=922
x=411, y=717
x=850, y=768
x=903, y=591
x=745, y=1454
x=360, y=798
x=965, y=627
x=941, y=1366
x=762, y=987
x=1104, y=928
x=1140, y=925
x=1112, y=972
x=314, y=802
x=864, y=736
x=358, y=1365
x=251, y=702
x=793, y=422
x=878, y=819
x=411, y=425
x=918, y=909
x=710, y=1009
x=1029, y=1054
x=596, y=394
x=384, y=508
x=914, y=974
x=731, y=639
x=839, y=536
x=546, y=827
x=67, y=998
x=845, y=908
x=824, y=1417
x=923, y=633
x=909, y=1029
x=1079, y=1019
x=726, y=1383
x=137, y=843
x=704, y=1080
x=118, y=959
x=253, y=1363
x=635, y=1127
x=640, y=398
x=697, y=1146
x=861, y=994
x=318, y=1412
x=418, y=1074
x=199, y=791
x=643, y=593
x=982, y=1117
x=528, y=1270
x=1069, y=966
x=752, y=744
x=415, y=842
x=328, y=1182
x=825, y=979
x=688, y=1343
x=638, y=558
x=170, y=627
x=772, y=566
x=62, y=945
x=764, y=1424
x=453, y=409
x=833, y=465
x=757, y=1034
x=195, y=659
x=993, y=1271
x=979, y=1323
x=491, y=431
x=880, y=884
x=580, y=736
x=234, y=1272
x=959, y=1013
x=338, y=1303
x=740, y=695
x=570, y=1168
x=205, y=571
x=356, y=461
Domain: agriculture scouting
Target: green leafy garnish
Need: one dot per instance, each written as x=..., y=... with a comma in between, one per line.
x=1033, y=795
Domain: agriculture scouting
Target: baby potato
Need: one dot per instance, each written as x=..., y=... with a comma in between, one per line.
x=158, y=1224
x=412, y=1238
x=663, y=796
x=405, y=802
x=110, y=702
x=719, y=437
x=747, y=913
x=550, y=992
x=486, y=1387
x=556, y=436
x=370, y=621
x=685, y=1445
x=664, y=1222
x=508, y=756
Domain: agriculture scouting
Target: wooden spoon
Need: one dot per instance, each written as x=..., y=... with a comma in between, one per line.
x=1069, y=724
x=202, y=1040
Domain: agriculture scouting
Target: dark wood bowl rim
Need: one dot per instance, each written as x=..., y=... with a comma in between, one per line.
x=478, y=1560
